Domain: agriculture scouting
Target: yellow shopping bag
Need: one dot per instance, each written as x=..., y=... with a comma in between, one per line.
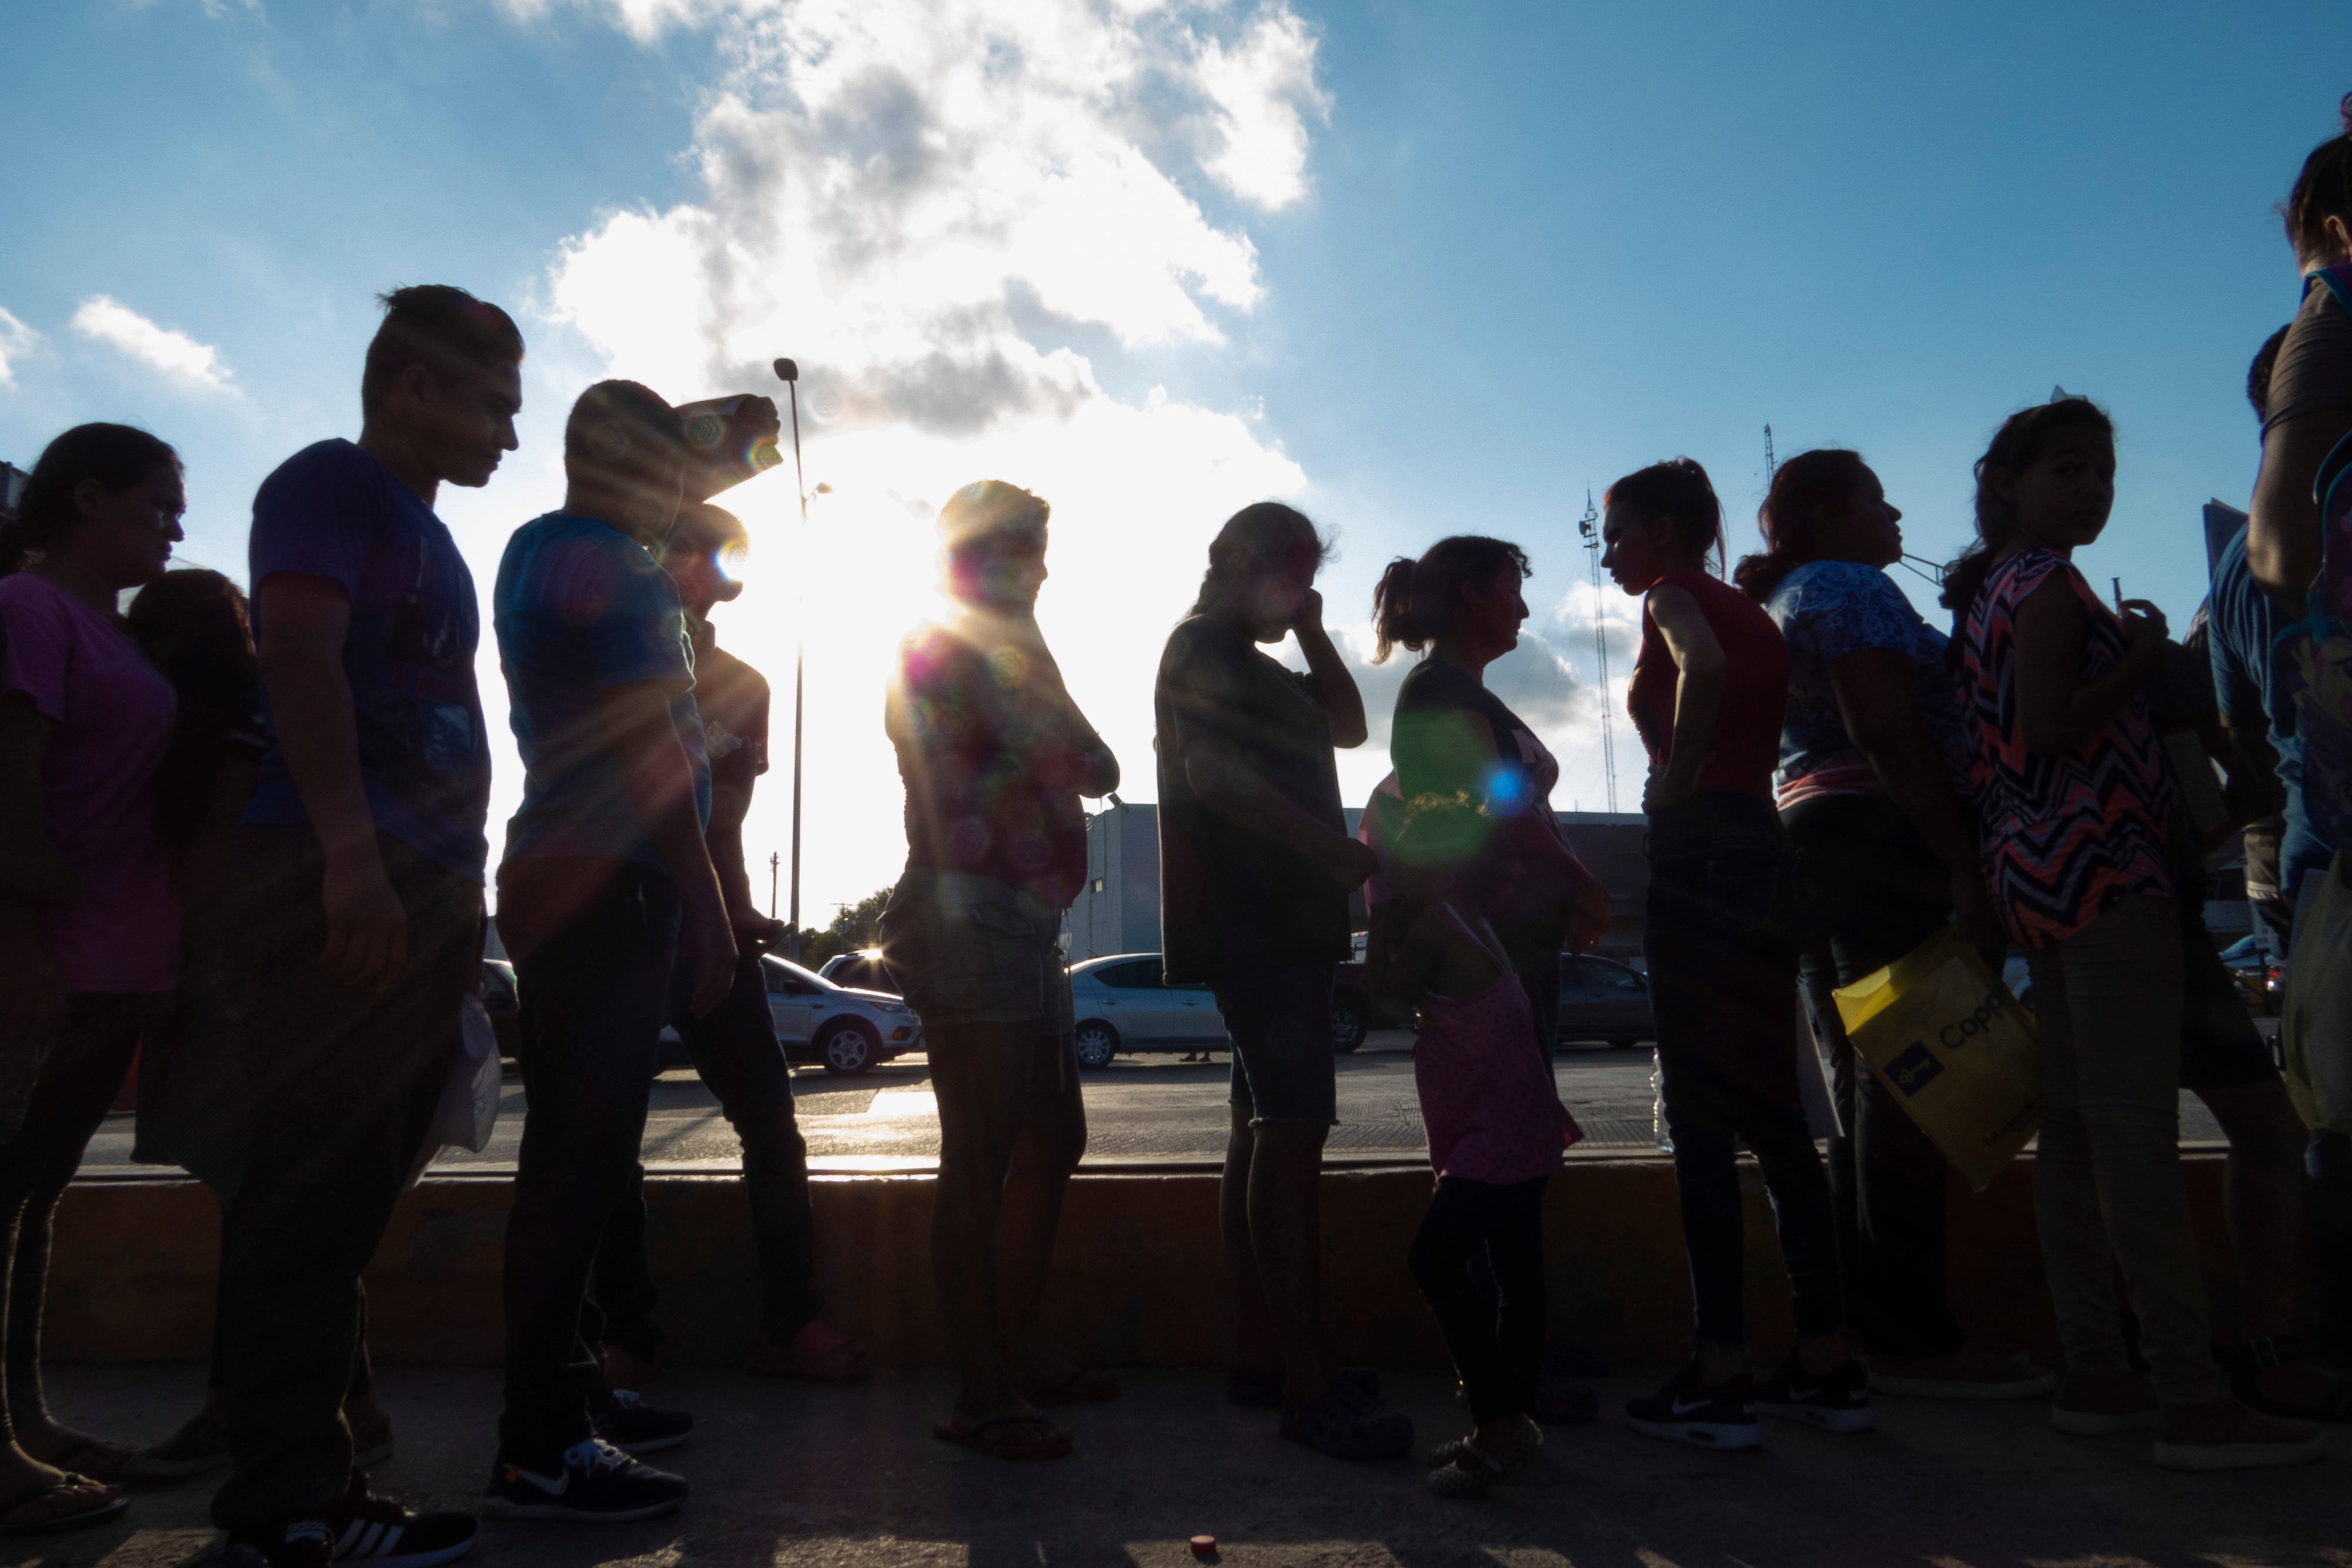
x=1960, y=1055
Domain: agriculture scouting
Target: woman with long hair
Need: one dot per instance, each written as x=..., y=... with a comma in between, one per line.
x=1461, y=607
x=2075, y=802
x=89, y=932
x=1706, y=696
x=1255, y=870
x=1873, y=789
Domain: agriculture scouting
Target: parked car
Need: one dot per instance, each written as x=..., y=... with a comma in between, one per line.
x=2262, y=983
x=860, y=971
x=1602, y=999
x=847, y=1030
x=497, y=992
x=1123, y=1006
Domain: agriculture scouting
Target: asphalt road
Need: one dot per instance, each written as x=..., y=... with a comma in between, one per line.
x=1137, y=1108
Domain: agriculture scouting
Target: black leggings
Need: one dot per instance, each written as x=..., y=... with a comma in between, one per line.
x=83, y=1073
x=1498, y=1350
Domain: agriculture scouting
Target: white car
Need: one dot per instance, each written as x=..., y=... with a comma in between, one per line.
x=817, y=1021
x=848, y=1031
x=1121, y=1005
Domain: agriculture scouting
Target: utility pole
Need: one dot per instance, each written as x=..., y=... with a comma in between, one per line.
x=789, y=374
x=1589, y=526
x=773, y=861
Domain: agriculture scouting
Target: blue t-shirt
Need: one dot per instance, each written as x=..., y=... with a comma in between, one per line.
x=2266, y=664
x=579, y=608
x=332, y=511
x=1826, y=609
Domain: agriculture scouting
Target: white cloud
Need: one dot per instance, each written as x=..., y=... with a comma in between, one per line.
x=16, y=340
x=109, y=321
x=917, y=199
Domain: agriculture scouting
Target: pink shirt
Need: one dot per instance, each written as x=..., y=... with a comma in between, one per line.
x=112, y=714
x=1488, y=1105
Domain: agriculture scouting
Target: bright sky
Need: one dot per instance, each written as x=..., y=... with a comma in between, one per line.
x=1418, y=270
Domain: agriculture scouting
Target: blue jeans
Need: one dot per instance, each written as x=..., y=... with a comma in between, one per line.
x=592, y=998
x=1722, y=946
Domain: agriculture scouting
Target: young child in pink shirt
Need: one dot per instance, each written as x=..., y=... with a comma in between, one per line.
x=1496, y=1131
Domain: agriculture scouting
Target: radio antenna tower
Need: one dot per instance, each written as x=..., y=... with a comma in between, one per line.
x=1589, y=526
x=1771, y=464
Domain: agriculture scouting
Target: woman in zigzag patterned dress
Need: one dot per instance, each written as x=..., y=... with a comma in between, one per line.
x=2074, y=799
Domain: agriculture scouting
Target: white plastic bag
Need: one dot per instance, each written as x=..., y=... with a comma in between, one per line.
x=2315, y=1025
x=467, y=1110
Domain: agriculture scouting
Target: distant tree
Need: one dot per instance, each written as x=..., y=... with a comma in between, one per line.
x=857, y=926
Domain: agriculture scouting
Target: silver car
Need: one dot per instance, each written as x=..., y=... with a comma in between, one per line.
x=848, y=1031
x=1121, y=1004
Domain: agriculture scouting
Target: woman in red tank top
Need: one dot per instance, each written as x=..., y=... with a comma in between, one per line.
x=1706, y=695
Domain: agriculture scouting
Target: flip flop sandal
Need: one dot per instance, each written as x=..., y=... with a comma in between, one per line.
x=1469, y=1475
x=1453, y=1450
x=2256, y=1356
x=104, y=1502
x=994, y=1437
x=1081, y=1387
x=95, y=1457
x=850, y=1361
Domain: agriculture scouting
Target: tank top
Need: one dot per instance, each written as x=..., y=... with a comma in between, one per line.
x=1746, y=743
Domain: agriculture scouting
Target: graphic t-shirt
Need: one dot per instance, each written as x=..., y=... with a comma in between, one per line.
x=992, y=752
x=1747, y=742
x=2066, y=837
x=2268, y=666
x=332, y=511
x=1230, y=899
x=1826, y=609
x=111, y=714
x=581, y=608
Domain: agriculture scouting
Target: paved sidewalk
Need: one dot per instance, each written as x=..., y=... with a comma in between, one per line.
x=850, y=1476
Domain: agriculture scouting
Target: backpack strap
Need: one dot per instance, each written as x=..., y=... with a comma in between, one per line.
x=2338, y=282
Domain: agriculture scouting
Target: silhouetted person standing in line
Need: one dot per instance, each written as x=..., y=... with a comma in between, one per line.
x=996, y=757
x=358, y=928
x=1707, y=696
x=1255, y=869
x=88, y=932
x=605, y=863
x=733, y=1047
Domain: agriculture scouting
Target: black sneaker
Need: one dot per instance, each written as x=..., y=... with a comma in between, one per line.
x=1837, y=1400
x=1723, y=1417
x=634, y=1426
x=597, y=1484
x=199, y=1446
x=1346, y=1423
x=361, y=1529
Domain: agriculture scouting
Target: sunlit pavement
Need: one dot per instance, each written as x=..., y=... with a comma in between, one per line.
x=788, y=1474
x=1140, y=1108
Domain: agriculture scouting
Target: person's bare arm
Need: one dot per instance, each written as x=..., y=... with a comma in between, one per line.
x=303, y=622
x=2282, y=543
x=724, y=841
x=1700, y=669
x=1228, y=786
x=640, y=736
x=1326, y=676
x=2057, y=710
x=33, y=876
x=1878, y=696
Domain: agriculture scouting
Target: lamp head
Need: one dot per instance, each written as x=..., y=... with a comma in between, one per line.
x=786, y=371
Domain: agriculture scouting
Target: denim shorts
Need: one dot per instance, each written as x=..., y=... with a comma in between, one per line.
x=1281, y=1023
x=970, y=949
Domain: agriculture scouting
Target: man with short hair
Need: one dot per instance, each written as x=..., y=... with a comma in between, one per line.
x=605, y=863
x=357, y=931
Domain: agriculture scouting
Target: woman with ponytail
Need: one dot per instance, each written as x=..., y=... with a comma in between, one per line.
x=1460, y=605
x=1706, y=696
x=1873, y=789
x=2075, y=802
x=89, y=931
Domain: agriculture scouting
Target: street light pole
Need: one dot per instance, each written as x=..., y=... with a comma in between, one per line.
x=789, y=374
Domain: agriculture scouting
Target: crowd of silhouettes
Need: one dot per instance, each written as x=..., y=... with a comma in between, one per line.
x=246, y=840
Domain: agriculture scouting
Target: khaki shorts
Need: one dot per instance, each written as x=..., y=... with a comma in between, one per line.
x=969, y=949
